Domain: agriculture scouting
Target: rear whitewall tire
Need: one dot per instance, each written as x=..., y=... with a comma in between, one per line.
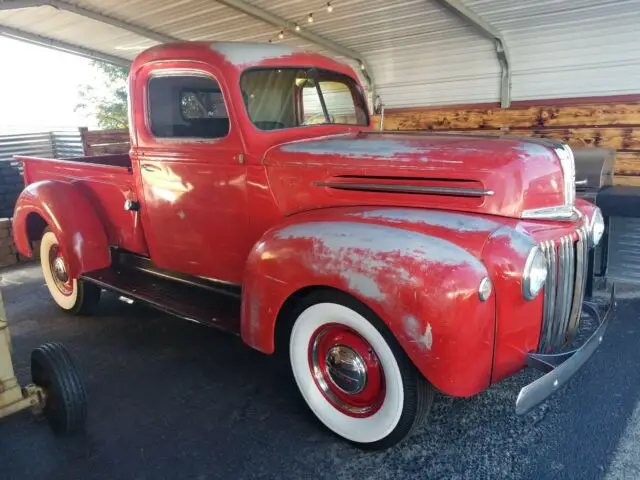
x=82, y=297
x=407, y=395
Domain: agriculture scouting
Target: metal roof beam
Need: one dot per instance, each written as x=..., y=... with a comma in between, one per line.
x=15, y=4
x=487, y=30
x=114, y=22
x=93, y=15
x=59, y=45
x=268, y=17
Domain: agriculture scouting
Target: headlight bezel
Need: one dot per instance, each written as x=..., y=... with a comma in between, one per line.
x=535, y=260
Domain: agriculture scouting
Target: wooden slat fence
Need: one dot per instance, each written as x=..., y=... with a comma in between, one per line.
x=104, y=142
x=615, y=126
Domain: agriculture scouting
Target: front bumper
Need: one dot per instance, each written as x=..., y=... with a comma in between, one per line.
x=562, y=366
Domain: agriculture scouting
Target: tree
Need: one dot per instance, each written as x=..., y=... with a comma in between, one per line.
x=106, y=100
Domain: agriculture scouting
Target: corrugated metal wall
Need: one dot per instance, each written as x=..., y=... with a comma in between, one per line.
x=54, y=144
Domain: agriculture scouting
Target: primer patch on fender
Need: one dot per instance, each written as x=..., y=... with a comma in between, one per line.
x=374, y=259
x=376, y=238
x=518, y=241
x=251, y=53
x=354, y=148
x=452, y=221
x=415, y=333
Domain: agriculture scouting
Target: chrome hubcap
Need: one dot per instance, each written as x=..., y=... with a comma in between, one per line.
x=59, y=269
x=346, y=369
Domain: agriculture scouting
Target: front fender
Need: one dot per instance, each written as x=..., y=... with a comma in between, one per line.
x=424, y=287
x=71, y=217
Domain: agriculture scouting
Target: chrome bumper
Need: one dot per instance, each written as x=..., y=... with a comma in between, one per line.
x=562, y=366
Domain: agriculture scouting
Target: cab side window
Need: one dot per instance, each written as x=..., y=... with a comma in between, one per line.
x=182, y=106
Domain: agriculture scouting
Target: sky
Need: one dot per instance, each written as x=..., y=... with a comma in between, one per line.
x=39, y=87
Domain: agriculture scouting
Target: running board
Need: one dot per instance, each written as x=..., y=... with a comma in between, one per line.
x=176, y=298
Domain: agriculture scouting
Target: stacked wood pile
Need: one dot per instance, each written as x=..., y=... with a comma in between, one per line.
x=8, y=252
x=104, y=142
x=615, y=126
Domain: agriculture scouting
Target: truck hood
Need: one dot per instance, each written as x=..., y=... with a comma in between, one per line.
x=494, y=175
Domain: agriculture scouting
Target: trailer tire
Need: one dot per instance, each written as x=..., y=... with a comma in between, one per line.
x=53, y=370
x=74, y=296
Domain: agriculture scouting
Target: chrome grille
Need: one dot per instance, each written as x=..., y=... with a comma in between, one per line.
x=563, y=290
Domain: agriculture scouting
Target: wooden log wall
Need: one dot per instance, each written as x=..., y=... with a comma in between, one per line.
x=614, y=126
x=104, y=142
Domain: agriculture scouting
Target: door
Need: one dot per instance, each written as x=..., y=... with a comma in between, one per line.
x=192, y=174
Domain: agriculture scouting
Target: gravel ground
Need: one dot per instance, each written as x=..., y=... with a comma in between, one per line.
x=170, y=399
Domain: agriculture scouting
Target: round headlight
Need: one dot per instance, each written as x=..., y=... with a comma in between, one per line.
x=535, y=273
x=597, y=227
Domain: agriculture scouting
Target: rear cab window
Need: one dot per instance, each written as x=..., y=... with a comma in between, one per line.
x=186, y=106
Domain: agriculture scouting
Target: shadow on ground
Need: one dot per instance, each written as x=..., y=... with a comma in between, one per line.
x=170, y=399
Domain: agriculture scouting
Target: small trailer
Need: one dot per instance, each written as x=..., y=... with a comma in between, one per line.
x=57, y=390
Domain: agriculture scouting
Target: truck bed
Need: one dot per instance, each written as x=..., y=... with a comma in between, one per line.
x=116, y=160
x=107, y=182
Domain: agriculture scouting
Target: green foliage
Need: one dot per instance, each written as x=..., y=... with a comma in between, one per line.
x=106, y=99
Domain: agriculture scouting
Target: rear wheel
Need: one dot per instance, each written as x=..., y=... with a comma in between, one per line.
x=353, y=374
x=71, y=295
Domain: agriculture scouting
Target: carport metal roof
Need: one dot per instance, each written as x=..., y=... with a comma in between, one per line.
x=416, y=52
x=116, y=31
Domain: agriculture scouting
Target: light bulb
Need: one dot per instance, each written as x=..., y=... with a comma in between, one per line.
x=281, y=34
x=329, y=7
x=297, y=27
x=310, y=18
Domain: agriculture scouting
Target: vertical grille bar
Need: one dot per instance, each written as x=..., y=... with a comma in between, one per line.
x=561, y=306
x=578, y=292
x=567, y=293
x=549, y=249
x=564, y=289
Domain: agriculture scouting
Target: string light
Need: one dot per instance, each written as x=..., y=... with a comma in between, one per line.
x=296, y=25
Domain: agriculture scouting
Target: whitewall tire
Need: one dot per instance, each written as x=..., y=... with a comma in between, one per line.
x=353, y=374
x=70, y=294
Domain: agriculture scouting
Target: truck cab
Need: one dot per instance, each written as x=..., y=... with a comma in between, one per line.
x=257, y=198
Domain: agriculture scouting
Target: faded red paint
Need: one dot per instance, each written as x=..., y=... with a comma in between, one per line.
x=245, y=209
x=71, y=217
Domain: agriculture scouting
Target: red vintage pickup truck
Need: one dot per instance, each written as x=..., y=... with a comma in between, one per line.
x=257, y=198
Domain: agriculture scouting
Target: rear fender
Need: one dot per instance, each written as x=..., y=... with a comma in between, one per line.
x=424, y=288
x=70, y=215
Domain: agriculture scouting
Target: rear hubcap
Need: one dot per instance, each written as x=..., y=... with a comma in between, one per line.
x=59, y=271
x=346, y=370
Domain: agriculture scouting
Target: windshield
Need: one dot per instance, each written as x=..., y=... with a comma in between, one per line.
x=278, y=98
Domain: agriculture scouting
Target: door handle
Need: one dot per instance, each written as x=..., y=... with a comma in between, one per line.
x=149, y=168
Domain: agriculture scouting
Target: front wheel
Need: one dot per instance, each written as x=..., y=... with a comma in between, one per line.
x=71, y=295
x=353, y=374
